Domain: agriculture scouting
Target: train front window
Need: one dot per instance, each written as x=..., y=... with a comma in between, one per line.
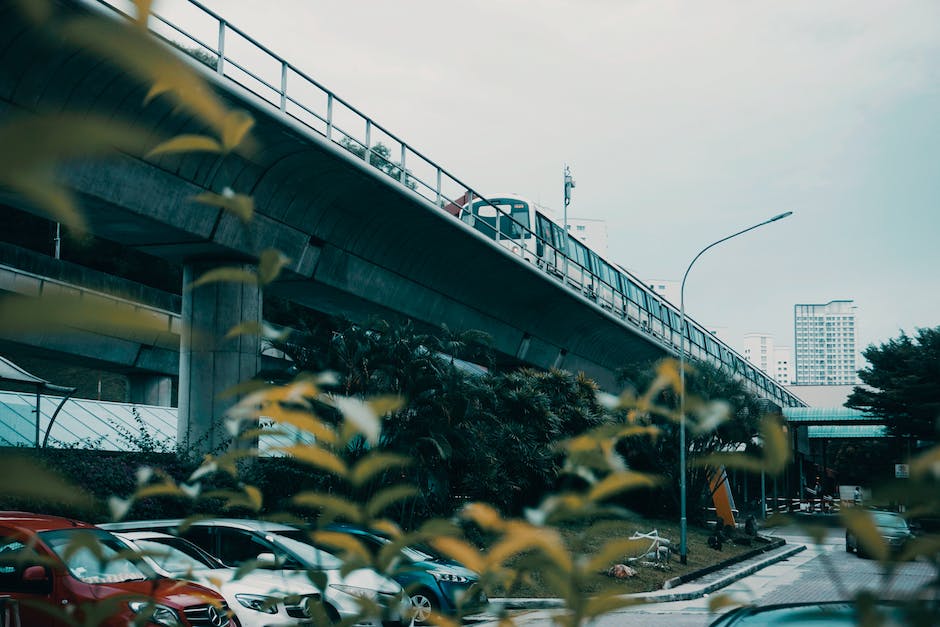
x=513, y=216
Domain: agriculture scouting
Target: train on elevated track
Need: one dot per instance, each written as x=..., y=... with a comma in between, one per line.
x=531, y=232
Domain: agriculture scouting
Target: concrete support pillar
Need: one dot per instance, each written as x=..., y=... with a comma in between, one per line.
x=151, y=389
x=210, y=364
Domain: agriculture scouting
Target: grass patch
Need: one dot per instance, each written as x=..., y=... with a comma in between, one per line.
x=580, y=541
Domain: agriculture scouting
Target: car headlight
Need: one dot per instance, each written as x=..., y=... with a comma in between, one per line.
x=156, y=613
x=356, y=591
x=450, y=577
x=258, y=602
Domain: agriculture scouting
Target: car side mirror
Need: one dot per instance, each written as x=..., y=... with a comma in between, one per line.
x=266, y=560
x=35, y=574
x=36, y=578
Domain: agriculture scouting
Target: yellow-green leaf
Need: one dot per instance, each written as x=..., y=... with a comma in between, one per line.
x=270, y=264
x=42, y=486
x=511, y=545
x=618, y=482
x=385, y=405
x=255, y=497
x=241, y=205
x=158, y=489
x=776, y=450
x=860, y=524
x=608, y=602
x=186, y=143
x=143, y=12
x=36, y=10
x=460, y=551
x=305, y=422
x=375, y=463
x=150, y=61
x=723, y=601
x=226, y=275
x=360, y=416
x=345, y=543
x=32, y=146
x=316, y=456
x=245, y=328
x=235, y=127
x=614, y=551
x=926, y=464
x=333, y=505
x=388, y=496
x=484, y=515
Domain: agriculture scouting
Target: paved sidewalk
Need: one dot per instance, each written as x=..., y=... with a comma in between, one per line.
x=690, y=590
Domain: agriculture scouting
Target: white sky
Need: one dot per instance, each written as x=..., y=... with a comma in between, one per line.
x=682, y=123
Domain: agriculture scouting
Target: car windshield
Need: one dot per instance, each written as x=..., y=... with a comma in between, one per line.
x=92, y=555
x=173, y=559
x=298, y=544
x=889, y=521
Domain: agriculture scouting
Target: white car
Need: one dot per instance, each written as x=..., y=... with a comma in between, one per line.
x=259, y=598
x=236, y=542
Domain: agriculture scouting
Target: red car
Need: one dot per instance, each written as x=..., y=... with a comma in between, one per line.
x=58, y=572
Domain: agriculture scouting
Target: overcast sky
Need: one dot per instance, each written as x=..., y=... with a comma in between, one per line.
x=682, y=123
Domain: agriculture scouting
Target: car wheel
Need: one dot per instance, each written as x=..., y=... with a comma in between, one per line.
x=423, y=604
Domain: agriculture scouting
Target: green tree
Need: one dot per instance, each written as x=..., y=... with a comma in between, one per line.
x=379, y=157
x=902, y=384
x=723, y=416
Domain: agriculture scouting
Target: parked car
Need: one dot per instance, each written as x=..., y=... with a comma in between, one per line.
x=830, y=614
x=434, y=583
x=892, y=528
x=50, y=565
x=237, y=542
x=258, y=598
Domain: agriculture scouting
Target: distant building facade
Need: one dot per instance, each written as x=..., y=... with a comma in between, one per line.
x=592, y=232
x=670, y=290
x=760, y=350
x=825, y=342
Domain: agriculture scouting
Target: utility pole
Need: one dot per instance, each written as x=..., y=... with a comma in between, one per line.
x=569, y=185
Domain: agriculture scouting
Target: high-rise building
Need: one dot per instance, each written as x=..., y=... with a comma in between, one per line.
x=783, y=370
x=825, y=338
x=667, y=289
x=760, y=350
x=590, y=231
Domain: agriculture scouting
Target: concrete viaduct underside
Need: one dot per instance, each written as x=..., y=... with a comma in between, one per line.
x=359, y=244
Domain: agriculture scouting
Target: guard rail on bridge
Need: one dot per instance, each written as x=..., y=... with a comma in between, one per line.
x=234, y=55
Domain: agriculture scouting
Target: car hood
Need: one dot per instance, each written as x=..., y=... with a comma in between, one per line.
x=361, y=578
x=893, y=532
x=447, y=569
x=255, y=582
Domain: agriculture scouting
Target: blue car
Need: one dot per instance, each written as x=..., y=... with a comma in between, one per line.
x=435, y=583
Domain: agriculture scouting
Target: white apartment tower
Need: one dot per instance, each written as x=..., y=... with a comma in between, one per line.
x=825, y=343
x=760, y=350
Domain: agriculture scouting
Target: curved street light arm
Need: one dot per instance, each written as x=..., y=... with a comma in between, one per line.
x=683, y=535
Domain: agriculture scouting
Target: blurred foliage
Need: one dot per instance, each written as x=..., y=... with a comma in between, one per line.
x=398, y=437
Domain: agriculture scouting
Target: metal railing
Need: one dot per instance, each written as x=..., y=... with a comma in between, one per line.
x=295, y=93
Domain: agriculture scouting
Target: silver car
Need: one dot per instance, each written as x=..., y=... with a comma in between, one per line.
x=259, y=598
x=892, y=528
x=289, y=552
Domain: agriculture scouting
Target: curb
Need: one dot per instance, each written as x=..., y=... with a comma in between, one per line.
x=771, y=545
x=661, y=596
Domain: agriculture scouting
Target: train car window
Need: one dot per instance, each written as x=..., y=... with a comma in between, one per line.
x=580, y=254
x=544, y=228
x=561, y=242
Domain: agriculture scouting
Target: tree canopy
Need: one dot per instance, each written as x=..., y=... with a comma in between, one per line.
x=902, y=384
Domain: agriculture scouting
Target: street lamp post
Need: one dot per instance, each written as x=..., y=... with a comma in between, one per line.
x=683, y=549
